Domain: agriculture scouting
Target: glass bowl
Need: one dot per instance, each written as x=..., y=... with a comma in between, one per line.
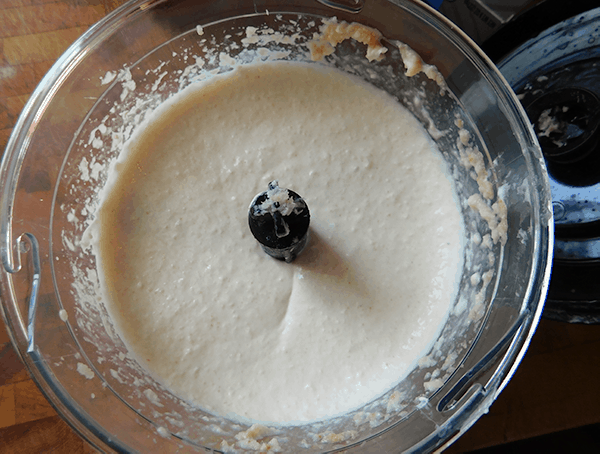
x=145, y=52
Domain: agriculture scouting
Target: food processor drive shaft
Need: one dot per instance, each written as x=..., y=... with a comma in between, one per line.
x=279, y=220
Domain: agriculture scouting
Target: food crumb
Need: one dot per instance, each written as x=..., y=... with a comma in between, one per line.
x=333, y=33
x=85, y=371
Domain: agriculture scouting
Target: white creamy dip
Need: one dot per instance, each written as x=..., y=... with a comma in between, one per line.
x=229, y=328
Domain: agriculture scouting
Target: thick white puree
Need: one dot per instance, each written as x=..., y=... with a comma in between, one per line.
x=235, y=331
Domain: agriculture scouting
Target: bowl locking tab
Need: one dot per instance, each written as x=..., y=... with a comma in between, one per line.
x=26, y=242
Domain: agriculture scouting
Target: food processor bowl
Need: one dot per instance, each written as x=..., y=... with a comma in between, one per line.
x=86, y=107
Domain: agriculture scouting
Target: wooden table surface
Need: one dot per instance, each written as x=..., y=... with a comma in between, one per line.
x=555, y=388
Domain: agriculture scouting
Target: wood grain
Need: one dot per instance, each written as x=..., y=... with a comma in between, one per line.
x=555, y=388
x=28, y=423
x=27, y=49
x=51, y=435
x=33, y=34
x=35, y=20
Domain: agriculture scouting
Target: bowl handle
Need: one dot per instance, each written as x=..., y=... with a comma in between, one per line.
x=349, y=6
x=27, y=243
x=456, y=395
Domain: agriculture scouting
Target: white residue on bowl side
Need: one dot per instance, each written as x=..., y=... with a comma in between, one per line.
x=414, y=65
x=494, y=215
x=84, y=370
x=155, y=85
x=108, y=77
x=152, y=397
x=334, y=32
x=116, y=376
x=249, y=440
x=163, y=432
x=331, y=437
x=433, y=385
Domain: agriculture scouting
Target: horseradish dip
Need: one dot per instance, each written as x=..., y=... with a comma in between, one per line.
x=241, y=334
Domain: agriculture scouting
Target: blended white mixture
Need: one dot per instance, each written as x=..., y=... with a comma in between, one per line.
x=235, y=331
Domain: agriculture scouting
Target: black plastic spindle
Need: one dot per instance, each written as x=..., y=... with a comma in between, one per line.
x=279, y=220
